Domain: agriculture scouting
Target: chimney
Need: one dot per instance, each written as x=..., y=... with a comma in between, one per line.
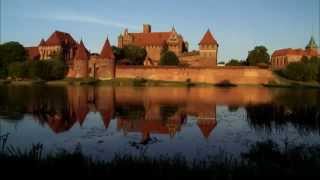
x=146, y=28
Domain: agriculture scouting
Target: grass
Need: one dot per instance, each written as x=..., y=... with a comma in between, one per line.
x=281, y=82
x=264, y=159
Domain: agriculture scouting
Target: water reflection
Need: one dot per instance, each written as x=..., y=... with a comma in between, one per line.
x=164, y=111
x=159, y=110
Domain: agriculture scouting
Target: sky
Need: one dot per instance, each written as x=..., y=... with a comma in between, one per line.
x=237, y=25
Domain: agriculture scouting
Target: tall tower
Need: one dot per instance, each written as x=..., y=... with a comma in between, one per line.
x=312, y=45
x=208, y=48
x=81, y=61
x=107, y=60
x=147, y=28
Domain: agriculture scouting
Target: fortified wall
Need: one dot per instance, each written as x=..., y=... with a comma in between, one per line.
x=234, y=75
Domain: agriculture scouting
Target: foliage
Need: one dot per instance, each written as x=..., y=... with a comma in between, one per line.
x=47, y=70
x=134, y=54
x=118, y=53
x=17, y=70
x=235, y=62
x=263, y=159
x=258, y=55
x=169, y=58
x=10, y=52
x=305, y=70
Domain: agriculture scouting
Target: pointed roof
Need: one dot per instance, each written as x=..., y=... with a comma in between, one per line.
x=206, y=127
x=81, y=52
x=42, y=42
x=208, y=39
x=106, y=51
x=312, y=44
x=59, y=38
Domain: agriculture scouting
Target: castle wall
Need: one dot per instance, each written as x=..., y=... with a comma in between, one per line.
x=235, y=75
x=102, y=69
x=154, y=52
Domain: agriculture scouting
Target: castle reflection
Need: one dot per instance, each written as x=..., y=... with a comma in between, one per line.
x=154, y=110
x=145, y=110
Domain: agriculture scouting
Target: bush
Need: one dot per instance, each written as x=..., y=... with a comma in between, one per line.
x=134, y=54
x=10, y=52
x=306, y=70
x=169, y=58
x=47, y=70
x=17, y=70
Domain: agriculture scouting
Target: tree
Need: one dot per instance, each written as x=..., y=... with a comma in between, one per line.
x=169, y=59
x=258, y=55
x=134, y=54
x=118, y=53
x=17, y=70
x=301, y=71
x=235, y=62
x=10, y=52
x=47, y=70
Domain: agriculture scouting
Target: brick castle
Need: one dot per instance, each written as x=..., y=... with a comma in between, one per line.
x=82, y=64
x=282, y=57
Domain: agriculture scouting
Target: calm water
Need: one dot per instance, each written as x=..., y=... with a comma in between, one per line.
x=195, y=122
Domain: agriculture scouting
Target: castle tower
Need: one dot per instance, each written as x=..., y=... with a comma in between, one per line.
x=208, y=48
x=147, y=28
x=106, y=62
x=312, y=45
x=81, y=59
x=175, y=42
x=41, y=48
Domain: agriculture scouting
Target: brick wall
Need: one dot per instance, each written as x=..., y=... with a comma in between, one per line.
x=235, y=75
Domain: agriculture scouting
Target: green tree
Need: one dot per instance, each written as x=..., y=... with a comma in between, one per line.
x=134, y=54
x=258, y=55
x=235, y=62
x=118, y=53
x=169, y=59
x=301, y=71
x=10, y=52
x=17, y=70
x=305, y=59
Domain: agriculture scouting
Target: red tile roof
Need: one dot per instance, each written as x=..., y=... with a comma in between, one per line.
x=60, y=38
x=42, y=42
x=295, y=52
x=33, y=53
x=81, y=52
x=207, y=127
x=106, y=51
x=208, y=39
x=152, y=38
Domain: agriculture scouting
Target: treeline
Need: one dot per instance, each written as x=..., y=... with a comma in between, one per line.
x=134, y=55
x=14, y=63
x=308, y=69
x=259, y=56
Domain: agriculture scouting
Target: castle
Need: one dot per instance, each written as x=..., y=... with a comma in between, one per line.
x=82, y=64
x=281, y=58
x=155, y=42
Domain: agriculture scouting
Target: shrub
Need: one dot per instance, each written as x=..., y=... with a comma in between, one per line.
x=47, y=70
x=169, y=58
x=305, y=70
x=17, y=70
x=134, y=54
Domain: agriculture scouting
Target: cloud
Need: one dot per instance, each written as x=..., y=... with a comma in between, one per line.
x=72, y=17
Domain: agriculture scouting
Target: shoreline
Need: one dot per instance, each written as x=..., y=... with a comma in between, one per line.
x=280, y=83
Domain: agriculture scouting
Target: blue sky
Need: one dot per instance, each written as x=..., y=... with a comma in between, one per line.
x=238, y=25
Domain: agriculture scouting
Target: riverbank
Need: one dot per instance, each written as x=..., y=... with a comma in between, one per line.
x=263, y=159
x=279, y=82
